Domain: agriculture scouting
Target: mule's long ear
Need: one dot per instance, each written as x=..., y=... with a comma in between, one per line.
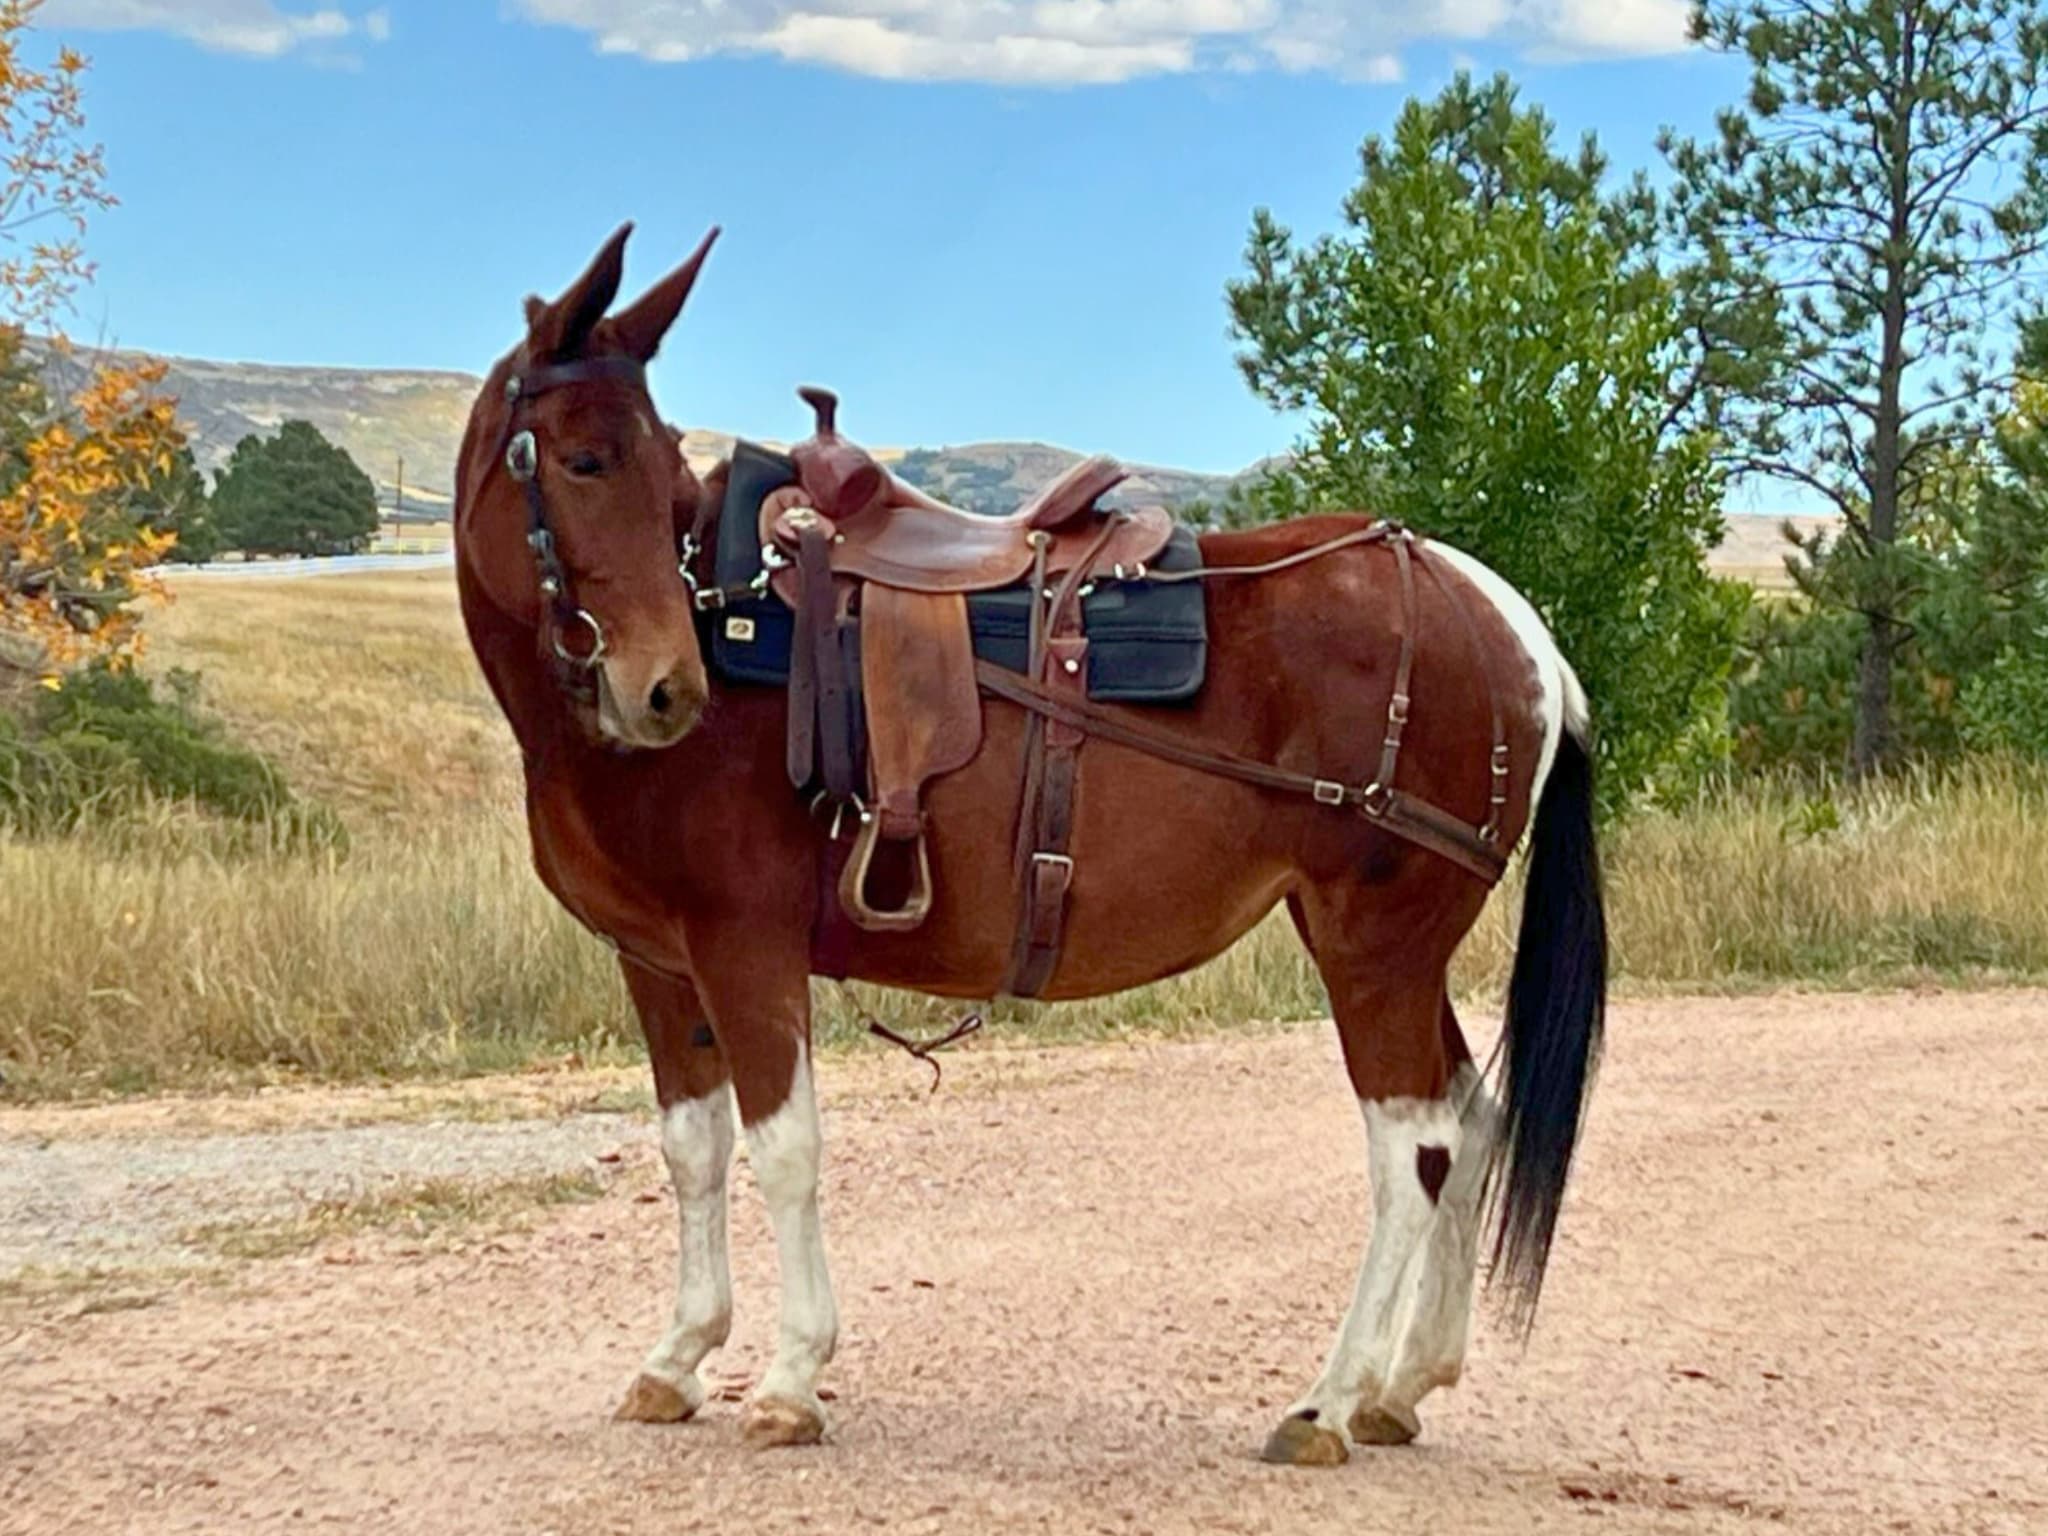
x=638, y=329
x=560, y=329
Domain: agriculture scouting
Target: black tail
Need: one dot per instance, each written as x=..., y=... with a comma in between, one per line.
x=1556, y=1003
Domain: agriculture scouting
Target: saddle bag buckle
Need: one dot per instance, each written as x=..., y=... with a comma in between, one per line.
x=1499, y=797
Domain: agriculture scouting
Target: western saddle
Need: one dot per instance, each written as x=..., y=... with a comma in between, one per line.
x=850, y=544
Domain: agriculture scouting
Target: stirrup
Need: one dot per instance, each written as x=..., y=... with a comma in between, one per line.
x=853, y=884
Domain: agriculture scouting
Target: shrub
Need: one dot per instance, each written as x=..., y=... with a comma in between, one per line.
x=2006, y=706
x=106, y=746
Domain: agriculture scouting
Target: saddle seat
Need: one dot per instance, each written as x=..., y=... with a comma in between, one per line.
x=861, y=551
x=883, y=530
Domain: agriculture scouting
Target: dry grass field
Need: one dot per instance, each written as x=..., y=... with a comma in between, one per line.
x=161, y=958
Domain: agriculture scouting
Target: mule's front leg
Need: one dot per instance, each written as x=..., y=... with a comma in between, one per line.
x=784, y=1146
x=692, y=1087
x=762, y=1013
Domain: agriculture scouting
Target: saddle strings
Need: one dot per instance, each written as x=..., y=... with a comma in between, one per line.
x=921, y=1050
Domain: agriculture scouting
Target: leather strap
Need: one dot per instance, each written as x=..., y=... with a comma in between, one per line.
x=1404, y=665
x=582, y=370
x=519, y=455
x=814, y=573
x=839, y=755
x=1405, y=815
x=1373, y=534
x=1059, y=660
x=820, y=742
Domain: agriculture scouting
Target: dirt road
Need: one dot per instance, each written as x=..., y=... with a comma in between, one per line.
x=1802, y=1286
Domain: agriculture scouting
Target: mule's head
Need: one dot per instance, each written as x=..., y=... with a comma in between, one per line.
x=571, y=495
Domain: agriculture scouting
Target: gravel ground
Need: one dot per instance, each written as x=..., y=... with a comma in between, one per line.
x=1799, y=1287
x=105, y=1203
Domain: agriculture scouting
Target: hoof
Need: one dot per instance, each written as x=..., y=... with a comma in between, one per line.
x=650, y=1400
x=1302, y=1442
x=1376, y=1425
x=776, y=1421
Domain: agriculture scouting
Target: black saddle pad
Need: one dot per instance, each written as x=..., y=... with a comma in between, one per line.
x=1148, y=642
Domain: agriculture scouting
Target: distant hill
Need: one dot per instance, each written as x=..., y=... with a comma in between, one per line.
x=382, y=416
x=997, y=477
x=385, y=415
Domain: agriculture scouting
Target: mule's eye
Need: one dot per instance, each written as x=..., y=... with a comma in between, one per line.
x=586, y=465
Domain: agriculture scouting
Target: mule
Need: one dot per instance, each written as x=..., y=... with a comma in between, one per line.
x=660, y=818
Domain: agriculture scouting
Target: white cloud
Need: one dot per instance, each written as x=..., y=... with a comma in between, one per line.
x=1013, y=42
x=258, y=27
x=1577, y=27
x=1097, y=42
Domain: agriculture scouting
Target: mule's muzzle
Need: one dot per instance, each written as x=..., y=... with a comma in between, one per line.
x=649, y=712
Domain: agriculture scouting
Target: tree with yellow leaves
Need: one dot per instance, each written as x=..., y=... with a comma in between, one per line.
x=77, y=476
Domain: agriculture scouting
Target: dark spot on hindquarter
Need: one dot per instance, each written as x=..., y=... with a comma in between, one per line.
x=702, y=1039
x=1432, y=1167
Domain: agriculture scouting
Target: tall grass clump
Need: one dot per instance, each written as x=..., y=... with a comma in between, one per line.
x=188, y=966
x=1935, y=873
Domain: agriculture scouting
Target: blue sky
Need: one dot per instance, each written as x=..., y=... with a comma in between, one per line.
x=974, y=218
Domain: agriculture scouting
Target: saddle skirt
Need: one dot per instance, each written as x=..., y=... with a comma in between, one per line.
x=880, y=601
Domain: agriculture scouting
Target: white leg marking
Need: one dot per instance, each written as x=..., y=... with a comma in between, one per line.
x=696, y=1138
x=1393, y=1283
x=784, y=1149
x=1432, y=1353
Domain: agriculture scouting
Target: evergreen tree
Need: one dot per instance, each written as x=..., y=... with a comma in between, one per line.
x=293, y=494
x=1882, y=189
x=177, y=504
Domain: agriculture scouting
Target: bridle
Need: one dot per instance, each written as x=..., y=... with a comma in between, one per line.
x=521, y=455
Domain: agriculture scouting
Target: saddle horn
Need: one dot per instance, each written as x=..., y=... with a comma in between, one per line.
x=826, y=406
x=840, y=477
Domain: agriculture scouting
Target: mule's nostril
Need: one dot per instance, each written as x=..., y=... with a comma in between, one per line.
x=660, y=700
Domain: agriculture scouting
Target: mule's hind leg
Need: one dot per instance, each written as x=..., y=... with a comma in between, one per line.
x=692, y=1088
x=1431, y=1352
x=1383, y=963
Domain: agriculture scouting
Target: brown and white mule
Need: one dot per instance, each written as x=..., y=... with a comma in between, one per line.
x=661, y=818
